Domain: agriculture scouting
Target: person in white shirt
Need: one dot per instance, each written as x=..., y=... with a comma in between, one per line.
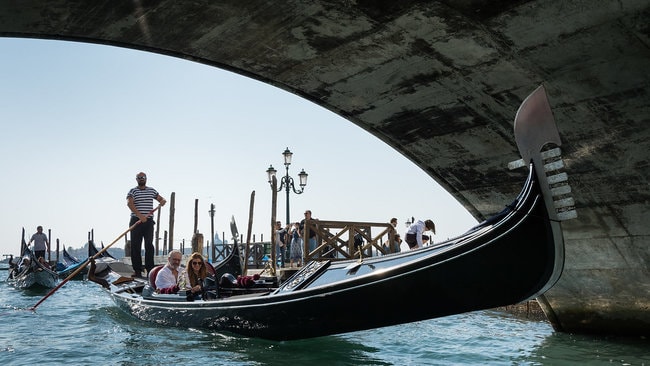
x=167, y=278
x=414, y=235
x=41, y=244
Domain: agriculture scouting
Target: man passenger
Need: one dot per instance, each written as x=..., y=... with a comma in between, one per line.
x=167, y=279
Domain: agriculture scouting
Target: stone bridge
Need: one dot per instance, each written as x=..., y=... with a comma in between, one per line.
x=440, y=82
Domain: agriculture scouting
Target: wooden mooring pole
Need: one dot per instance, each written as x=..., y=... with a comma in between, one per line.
x=172, y=210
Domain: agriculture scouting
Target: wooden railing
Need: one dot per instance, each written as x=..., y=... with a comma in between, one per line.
x=335, y=239
x=258, y=253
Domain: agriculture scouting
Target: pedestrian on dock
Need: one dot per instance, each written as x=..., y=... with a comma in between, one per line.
x=140, y=202
x=415, y=237
x=280, y=243
x=312, y=233
x=296, y=245
x=397, y=240
x=393, y=222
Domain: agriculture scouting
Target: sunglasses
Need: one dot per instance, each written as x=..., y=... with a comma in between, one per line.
x=140, y=178
x=194, y=262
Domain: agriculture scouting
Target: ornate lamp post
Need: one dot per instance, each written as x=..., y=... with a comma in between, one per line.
x=287, y=182
x=214, y=249
x=409, y=222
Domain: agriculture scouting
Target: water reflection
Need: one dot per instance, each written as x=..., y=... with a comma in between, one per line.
x=144, y=343
x=564, y=348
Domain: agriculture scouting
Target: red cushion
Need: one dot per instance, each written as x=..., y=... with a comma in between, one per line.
x=209, y=268
x=153, y=274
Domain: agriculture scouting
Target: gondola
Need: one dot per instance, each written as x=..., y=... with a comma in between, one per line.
x=68, y=258
x=29, y=273
x=92, y=251
x=514, y=256
x=105, y=262
x=68, y=265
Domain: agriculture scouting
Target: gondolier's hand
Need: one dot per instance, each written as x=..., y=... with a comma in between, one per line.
x=142, y=218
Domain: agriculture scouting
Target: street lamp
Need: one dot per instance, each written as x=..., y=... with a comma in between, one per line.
x=214, y=249
x=287, y=182
x=409, y=222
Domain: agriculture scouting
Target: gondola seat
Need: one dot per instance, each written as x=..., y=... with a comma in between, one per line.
x=149, y=290
x=209, y=268
x=153, y=274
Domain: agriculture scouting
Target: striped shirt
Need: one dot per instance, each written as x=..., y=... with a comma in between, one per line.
x=143, y=199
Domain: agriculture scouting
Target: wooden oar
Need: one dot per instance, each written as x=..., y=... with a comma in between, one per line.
x=85, y=263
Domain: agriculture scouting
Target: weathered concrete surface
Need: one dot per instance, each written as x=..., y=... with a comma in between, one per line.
x=440, y=81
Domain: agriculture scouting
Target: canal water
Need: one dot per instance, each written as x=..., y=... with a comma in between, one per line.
x=80, y=325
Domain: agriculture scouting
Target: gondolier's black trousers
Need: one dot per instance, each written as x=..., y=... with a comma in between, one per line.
x=139, y=232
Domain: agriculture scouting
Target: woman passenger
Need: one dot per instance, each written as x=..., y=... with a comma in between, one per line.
x=193, y=275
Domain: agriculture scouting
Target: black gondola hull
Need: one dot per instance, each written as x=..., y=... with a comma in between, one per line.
x=503, y=263
x=33, y=276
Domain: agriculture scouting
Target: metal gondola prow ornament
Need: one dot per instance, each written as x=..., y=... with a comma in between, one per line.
x=236, y=245
x=539, y=143
x=233, y=230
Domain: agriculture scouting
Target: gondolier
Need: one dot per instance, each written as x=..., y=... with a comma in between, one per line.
x=140, y=201
x=41, y=244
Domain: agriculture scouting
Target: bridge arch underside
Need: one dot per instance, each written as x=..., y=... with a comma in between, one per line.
x=440, y=82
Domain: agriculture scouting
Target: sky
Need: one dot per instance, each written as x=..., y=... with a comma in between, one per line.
x=79, y=121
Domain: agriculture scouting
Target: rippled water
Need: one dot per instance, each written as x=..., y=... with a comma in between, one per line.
x=79, y=324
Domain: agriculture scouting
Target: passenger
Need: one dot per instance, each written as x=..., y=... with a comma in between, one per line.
x=296, y=245
x=414, y=235
x=192, y=277
x=24, y=264
x=167, y=278
x=41, y=244
x=13, y=267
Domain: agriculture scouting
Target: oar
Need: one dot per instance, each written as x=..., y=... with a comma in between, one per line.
x=85, y=263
